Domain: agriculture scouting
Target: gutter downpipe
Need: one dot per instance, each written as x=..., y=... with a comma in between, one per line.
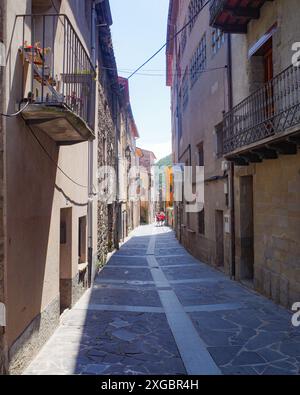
x=91, y=158
x=4, y=357
x=231, y=183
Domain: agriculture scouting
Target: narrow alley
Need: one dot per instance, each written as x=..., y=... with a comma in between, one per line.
x=154, y=309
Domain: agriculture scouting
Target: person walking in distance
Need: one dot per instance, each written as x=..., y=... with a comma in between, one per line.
x=157, y=217
x=162, y=218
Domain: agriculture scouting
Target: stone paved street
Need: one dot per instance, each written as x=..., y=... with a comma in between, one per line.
x=154, y=309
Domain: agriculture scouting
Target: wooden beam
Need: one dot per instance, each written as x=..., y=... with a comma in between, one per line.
x=295, y=139
x=239, y=161
x=232, y=28
x=245, y=12
x=266, y=153
x=251, y=157
x=284, y=148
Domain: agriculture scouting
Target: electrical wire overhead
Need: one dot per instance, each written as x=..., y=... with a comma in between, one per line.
x=16, y=113
x=167, y=42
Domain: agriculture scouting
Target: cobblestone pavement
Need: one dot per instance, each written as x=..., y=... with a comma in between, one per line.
x=154, y=309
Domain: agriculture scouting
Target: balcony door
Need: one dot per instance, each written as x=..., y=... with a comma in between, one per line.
x=268, y=64
x=261, y=77
x=268, y=77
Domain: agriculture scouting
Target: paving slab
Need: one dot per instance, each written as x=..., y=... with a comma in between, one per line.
x=155, y=309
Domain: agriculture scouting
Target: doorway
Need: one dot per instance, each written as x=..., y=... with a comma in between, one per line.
x=82, y=240
x=65, y=259
x=247, y=228
x=262, y=73
x=219, y=229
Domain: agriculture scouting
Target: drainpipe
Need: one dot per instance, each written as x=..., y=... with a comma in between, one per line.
x=91, y=159
x=4, y=365
x=231, y=178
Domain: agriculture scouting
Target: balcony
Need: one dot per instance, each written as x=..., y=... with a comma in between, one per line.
x=58, y=78
x=233, y=16
x=267, y=123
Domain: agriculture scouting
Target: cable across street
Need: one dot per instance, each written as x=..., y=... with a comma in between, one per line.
x=171, y=39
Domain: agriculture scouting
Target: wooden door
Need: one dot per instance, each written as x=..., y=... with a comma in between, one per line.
x=268, y=66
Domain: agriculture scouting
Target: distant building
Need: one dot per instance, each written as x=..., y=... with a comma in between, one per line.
x=146, y=162
x=165, y=201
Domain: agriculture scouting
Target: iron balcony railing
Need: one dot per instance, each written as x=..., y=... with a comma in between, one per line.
x=267, y=112
x=57, y=69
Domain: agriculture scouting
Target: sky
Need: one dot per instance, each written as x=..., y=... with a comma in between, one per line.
x=139, y=29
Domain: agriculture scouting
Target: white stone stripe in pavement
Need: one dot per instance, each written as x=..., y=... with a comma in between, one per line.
x=198, y=280
x=146, y=267
x=213, y=307
x=194, y=354
x=119, y=255
x=119, y=308
x=125, y=282
x=175, y=282
x=151, y=246
x=196, y=358
x=153, y=309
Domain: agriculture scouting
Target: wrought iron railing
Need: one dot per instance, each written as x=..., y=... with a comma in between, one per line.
x=270, y=110
x=56, y=66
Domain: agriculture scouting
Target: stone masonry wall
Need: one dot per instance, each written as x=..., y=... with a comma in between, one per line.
x=106, y=156
x=277, y=229
x=33, y=338
x=276, y=217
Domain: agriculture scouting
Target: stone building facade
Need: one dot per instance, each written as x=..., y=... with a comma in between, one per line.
x=264, y=146
x=197, y=75
x=106, y=157
x=246, y=119
x=128, y=174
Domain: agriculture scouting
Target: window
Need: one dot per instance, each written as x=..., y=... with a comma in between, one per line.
x=195, y=7
x=185, y=90
x=217, y=40
x=201, y=222
x=198, y=62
